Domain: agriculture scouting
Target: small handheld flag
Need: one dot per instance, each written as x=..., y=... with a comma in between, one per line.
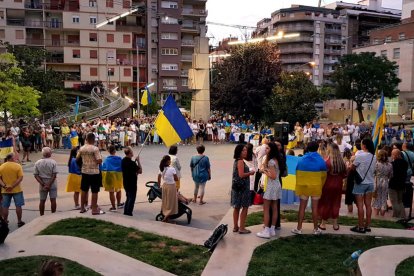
x=171, y=125
x=146, y=98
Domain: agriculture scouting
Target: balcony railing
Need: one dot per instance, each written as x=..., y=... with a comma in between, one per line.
x=72, y=78
x=169, y=87
x=187, y=43
x=194, y=12
x=36, y=6
x=296, y=60
x=55, y=59
x=296, y=50
x=15, y=22
x=187, y=57
x=34, y=41
x=184, y=73
x=190, y=27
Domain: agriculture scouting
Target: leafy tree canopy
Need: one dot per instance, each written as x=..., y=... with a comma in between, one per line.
x=292, y=100
x=363, y=77
x=243, y=81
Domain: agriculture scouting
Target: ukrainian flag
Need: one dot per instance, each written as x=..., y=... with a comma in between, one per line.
x=6, y=147
x=379, y=124
x=310, y=175
x=146, y=98
x=112, y=173
x=171, y=125
x=289, y=182
x=73, y=182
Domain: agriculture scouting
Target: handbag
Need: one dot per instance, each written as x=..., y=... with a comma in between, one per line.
x=258, y=199
x=357, y=178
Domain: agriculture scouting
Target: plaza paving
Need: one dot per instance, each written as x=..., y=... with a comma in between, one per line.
x=234, y=248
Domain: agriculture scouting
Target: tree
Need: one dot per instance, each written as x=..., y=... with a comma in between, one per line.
x=364, y=77
x=292, y=100
x=15, y=99
x=52, y=101
x=243, y=81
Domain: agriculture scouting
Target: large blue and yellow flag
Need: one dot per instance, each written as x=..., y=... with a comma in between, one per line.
x=112, y=173
x=289, y=182
x=146, y=98
x=310, y=175
x=6, y=147
x=381, y=119
x=171, y=125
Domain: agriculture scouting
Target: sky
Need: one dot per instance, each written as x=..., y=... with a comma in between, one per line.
x=248, y=13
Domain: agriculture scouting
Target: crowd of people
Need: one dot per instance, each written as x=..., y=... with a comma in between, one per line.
x=337, y=159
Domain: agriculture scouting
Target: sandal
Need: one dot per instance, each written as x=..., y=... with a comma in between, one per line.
x=20, y=224
x=336, y=228
x=202, y=203
x=356, y=229
x=236, y=229
x=100, y=212
x=245, y=231
x=322, y=228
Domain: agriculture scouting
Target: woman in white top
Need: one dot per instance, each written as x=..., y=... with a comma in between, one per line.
x=168, y=175
x=209, y=128
x=251, y=162
x=341, y=143
x=49, y=136
x=175, y=163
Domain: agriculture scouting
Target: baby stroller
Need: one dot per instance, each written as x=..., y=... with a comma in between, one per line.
x=155, y=192
x=114, y=140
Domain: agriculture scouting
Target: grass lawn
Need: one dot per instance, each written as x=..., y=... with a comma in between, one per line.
x=24, y=266
x=406, y=268
x=312, y=255
x=174, y=256
x=292, y=216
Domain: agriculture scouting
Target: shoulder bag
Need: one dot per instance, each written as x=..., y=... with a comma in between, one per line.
x=358, y=179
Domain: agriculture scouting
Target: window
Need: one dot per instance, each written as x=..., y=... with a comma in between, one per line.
x=93, y=37
x=75, y=19
x=169, y=51
x=396, y=53
x=127, y=72
x=184, y=82
x=93, y=71
x=169, y=5
x=92, y=3
x=76, y=53
x=127, y=38
x=169, y=66
x=126, y=4
x=169, y=20
x=109, y=3
x=111, y=71
x=169, y=36
x=92, y=20
x=391, y=105
x=93, y=54
x=410, y=105
x=376, y=41
x=19, y=34
x=401, y=36
x=109, y=37
x=388, y=39
x=169, y=82
x=384, y=53
x=2, y=33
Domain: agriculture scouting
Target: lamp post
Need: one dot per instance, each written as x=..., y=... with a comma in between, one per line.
x=138, y=100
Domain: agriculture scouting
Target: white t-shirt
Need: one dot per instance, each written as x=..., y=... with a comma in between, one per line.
x=361, y=162
x=168, y=175
x=351, y=129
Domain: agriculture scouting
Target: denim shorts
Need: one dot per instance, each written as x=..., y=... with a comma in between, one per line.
x=17, y=197
x=362, y=189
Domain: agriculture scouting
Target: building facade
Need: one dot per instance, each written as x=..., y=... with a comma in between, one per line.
x=396, y=42
x=154, y=44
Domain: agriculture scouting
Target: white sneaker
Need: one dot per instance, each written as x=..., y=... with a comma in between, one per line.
x=272, y=232
x=296, y=231
x=263, y=234
x=317, y=231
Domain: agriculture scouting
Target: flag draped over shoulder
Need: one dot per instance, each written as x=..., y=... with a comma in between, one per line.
x=310, y=175
x=171, y=125
x=6, y=147
x=146, y=98
x=112, y=173
x=381, y=119
x=289, y=182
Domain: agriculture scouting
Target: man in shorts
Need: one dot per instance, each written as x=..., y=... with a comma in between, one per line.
x=91, y=158
x=45, y=171
x=310, y=177
x=11, y=175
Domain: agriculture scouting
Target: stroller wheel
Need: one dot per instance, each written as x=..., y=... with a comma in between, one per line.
x=159, y=217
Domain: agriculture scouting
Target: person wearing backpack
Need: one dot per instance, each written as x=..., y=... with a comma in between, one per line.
x=200, y=171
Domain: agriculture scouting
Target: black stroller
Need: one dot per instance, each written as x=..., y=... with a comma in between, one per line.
x=155, y=192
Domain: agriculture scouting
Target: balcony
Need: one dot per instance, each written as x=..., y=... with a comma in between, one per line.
x=184, y=73
x=333, y=52
x=333, y=41
x=130, y=28
x=15, y=22
x=295, y=39
x=168, y=87
x=72, y=77
x=190, y=28
x=53, y=24
x=333, y=31
x=330, y=61
x=195, y=12
x=34, y=41
x=187, y=58
x=295, y=60
x=296, y=50
x=55, y=59
x=187, y=43
x=34, y=23
x=32, y=5
x=287, y=28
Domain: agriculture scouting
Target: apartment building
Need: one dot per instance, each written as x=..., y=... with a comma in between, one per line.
x=318, y=45
x=154, y=44
x=396, y=42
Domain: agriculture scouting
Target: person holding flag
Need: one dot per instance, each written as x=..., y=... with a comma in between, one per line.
x=112, y=177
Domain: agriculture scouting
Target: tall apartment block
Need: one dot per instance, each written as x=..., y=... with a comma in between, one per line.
x=154, y=44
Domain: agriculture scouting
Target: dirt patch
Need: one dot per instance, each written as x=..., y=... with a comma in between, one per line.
x=134, y=235
x=177, y=249
x=161, y=245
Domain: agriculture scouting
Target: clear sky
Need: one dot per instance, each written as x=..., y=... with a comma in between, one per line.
x=248, y=13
